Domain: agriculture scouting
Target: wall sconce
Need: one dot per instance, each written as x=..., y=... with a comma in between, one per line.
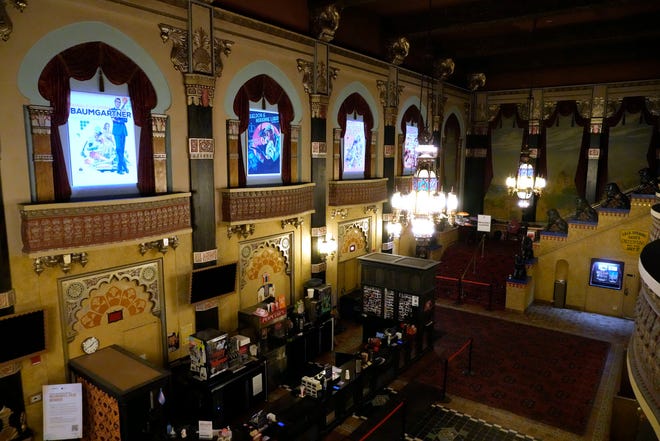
x=243, y=230
x=295, y=221
x=161, y=245
x=370, y=209
x=328, y=248
x=341, y=212
x=64, y=261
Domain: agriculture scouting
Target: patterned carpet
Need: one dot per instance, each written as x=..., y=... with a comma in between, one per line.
x=545, y=375
x=442, y=424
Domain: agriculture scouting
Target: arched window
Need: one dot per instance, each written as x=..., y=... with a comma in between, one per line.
x=412, y=123
x=265, y=94
x=356, y=122
x=82, y=62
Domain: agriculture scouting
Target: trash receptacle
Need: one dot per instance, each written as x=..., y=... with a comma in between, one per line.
x=559, y=298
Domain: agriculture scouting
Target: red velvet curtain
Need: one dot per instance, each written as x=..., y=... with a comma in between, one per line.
x=412, y=115
x=257, y=88
x=82, y=62
x=566, y=108
x=355, y=104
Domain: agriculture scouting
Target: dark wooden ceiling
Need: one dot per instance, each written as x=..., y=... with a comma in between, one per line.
x=517, y=44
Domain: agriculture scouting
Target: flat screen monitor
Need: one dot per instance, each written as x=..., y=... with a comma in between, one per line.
x=26, y=335
x=606, y=273
x=214, y=281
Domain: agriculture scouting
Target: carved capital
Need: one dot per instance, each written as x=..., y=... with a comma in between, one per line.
x=442, y=69
x=201, y=56
x=40, y=117
x=390, y=115
x=200, y=89
x=476, y=80
x=319, y=105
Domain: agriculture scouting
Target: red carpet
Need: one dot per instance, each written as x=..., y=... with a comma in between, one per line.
x=548, y=376
x=491, y=266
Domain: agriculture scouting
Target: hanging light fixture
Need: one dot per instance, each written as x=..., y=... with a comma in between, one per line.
x=527, y=182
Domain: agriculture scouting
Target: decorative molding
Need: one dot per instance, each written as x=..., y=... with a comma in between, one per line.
x=319, y=149
x=200, y=89
x=8, y=369
x=77, y=290
x=179, y=53
x=389, y=150
x=7, y=299
x=249, y=205
x=40, y=119
x=476, y=153
x=247, y=251
x=370, y=209
x=319, y=106
x=205, y=256
x=319, y=267
x=319, y=231
x=6, y=26
x=339, y=212
x=201, y=148
x=357, y=192
x=158, y=125
x=75, y=225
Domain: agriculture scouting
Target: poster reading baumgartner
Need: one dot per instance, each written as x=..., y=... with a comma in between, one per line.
x=101, y=140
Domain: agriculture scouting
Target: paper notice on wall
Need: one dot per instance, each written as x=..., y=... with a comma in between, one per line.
x=62, y=408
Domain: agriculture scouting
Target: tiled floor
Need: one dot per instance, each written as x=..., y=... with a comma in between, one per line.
x=615, y=330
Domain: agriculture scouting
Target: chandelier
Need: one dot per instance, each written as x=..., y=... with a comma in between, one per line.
x=526, y=183
x=426, y=205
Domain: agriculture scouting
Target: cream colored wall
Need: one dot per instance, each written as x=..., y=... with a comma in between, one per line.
x=578, y=249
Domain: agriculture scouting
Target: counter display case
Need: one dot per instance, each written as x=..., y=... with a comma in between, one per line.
x=123, y=395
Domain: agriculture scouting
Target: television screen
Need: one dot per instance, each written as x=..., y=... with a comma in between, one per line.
x=606, y=273
x=28, y=331
x=102, y=153
x=264, y=147
x=214, y=281
x=354, y=150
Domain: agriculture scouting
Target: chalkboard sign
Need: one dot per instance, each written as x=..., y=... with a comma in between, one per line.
x=388, y=311
x=372, y=300
x=407, y=306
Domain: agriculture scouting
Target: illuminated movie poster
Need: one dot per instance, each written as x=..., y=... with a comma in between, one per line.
x=264, y=153
x=101, y=140
x=354, y=147
x=409, y=146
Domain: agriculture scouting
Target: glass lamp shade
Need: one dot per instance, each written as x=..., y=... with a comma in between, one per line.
x=423, y=227
x=452, y=202
x=394, y=228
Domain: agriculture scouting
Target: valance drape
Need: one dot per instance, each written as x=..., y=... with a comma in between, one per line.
x=82, y=62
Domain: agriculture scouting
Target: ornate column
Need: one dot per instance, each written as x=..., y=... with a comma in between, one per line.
x=476, y=149
x=42, y=156
x=197, y=54
x=597, y=115
x=317, y=82
x=159, y=131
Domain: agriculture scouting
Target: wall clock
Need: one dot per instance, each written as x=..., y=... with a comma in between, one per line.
x=90, y=345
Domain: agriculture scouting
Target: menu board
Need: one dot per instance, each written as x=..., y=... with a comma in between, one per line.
x=372, y=300
x=388, y=309
x=407, y=304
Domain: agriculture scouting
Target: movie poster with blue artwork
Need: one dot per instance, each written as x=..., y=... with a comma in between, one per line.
x=264, y=152
x=101, y=134
x=354, y=147
x=409, y=150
